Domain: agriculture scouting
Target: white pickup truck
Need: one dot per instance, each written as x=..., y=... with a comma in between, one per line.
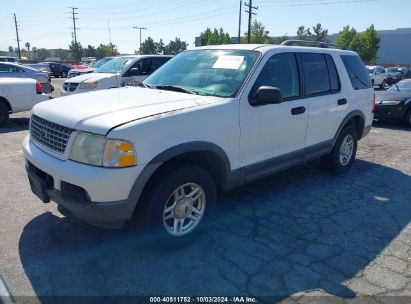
x=18, y=95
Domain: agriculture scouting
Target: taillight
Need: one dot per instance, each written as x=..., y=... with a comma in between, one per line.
x=38, y=87
x=373, y=104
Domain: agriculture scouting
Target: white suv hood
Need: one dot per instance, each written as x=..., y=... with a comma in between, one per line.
x=91, y=77
x=100, y=111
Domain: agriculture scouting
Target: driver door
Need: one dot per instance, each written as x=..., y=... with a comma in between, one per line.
x=273, y=135
x=138, y=72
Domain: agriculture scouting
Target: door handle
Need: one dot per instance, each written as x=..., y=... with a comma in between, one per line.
x=342, y=101
x=298, y=111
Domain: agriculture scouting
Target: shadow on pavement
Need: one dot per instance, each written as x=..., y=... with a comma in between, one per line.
x=292, y=232
x=389, y=124
x=15, y=125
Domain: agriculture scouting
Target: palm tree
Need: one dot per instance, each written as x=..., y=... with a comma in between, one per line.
x=27, y=44
x=11, y=50
x=34, y=49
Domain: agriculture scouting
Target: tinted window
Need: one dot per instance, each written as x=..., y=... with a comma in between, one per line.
x=317, y=80
x=332, y=71
x=359, y=77
x=281, y=72
x=4, y=68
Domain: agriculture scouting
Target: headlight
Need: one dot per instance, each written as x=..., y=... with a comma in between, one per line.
x=391, y=102
x=97, y=150
x=88, y=85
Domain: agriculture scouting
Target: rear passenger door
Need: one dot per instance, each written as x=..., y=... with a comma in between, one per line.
x=326, y=102
x=273, y=135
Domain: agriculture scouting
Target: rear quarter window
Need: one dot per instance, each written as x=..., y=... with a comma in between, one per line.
x=360, y=79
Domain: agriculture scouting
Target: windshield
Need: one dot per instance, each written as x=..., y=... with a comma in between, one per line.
x=114, y=66
x=401, y=86
x=205, y=72
x=370, y=70
x=100, y=62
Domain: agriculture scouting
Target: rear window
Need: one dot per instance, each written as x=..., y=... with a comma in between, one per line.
x=360, y=79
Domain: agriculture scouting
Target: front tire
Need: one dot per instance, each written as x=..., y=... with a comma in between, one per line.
x=63, y=74
x=382, y=86
x=4, y=115
x=343, y=154
x=177, y=203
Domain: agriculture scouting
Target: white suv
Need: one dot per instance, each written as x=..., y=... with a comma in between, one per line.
x=210, y=119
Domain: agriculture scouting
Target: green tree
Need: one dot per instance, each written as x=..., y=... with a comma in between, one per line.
x=280, y=39
x=149, y=47
x=365, y=44
x=370, y=45
x=258, y=34
x=175, y=46
x=160, y=47
x=27, y=44
x=90, y=51
x=42, y=54
x=63, y=54
x=204, y=36
x=303, y=33
x=214, y=37
x=76, y=50
x=34, y=50
x=319, y=34
x=11, y=50
x=106, y=50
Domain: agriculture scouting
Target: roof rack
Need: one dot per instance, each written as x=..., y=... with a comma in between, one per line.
x=325, y=45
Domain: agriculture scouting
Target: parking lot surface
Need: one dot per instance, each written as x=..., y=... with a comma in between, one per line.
x=298, y=236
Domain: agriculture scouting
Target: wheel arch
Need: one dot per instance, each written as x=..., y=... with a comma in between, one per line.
x=207, y=155
x=355, y=118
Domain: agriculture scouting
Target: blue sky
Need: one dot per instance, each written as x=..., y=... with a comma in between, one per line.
x=47, y=23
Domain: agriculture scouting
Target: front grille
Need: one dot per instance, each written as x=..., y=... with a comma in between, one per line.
x=70, y=86
x=49, y=134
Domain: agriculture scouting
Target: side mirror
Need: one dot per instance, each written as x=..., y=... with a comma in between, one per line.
x=266, y=95
x=132, y=72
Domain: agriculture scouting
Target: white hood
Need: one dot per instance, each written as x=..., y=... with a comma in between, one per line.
x=91, y=77
x=100, y=111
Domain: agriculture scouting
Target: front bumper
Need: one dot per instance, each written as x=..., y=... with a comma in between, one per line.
x=99, y=196
x=389, y=111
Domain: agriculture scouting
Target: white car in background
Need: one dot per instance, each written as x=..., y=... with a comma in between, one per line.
x=93, y=66
x=18, y=95
x=378, y=76
x=121, y=71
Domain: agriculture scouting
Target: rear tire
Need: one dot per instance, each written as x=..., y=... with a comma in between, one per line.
x=343, y=154
x=63, y=74
x=177, y=204
x=4, y=114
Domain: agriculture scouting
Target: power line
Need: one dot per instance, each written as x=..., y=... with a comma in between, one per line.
x=17, y=34
x=140, y=29
x=250, y=13
x=76, y=52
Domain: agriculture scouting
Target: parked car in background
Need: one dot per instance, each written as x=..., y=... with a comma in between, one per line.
x=120, y=71
x=8, y=59
x=57, y=69
x=210, y=119
x=18, y=95
x=393, y=75
x=406, y=72
x=43, y=67
x=16, y=70
x=90, y=69
x=395, y=103
x=378, y=76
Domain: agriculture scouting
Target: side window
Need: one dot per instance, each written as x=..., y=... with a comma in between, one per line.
x=316, y=78
x=333, y=73
x=280, y=71
x=146, y=66
x=4, y=68
x=359, y=77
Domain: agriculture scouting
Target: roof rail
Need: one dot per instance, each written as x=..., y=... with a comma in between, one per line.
x=325, y=45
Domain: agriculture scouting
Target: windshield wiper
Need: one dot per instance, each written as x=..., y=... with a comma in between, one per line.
x=143, y=85
x=398, y=89
x=175, y=88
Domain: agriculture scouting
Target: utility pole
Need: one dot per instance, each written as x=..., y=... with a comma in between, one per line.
x=17, y=34
x=139, y=28
x=239, y=23
x=76, y=51
x=250, y=13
